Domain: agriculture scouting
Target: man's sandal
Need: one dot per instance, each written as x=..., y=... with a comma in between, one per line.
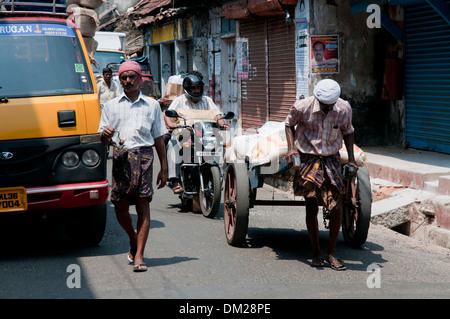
x=177, y=189
x=139, y=267
x=336, y=264
x=318, y=261
x=130, y=255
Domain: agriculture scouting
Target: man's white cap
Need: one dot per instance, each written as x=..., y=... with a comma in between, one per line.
x=327, y=91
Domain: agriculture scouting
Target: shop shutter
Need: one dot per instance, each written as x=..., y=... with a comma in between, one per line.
x=427, y=79
x=269, y=92
x=254, y=103
x=281, y=68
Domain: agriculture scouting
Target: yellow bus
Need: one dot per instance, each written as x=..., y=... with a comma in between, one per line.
x=51, y=159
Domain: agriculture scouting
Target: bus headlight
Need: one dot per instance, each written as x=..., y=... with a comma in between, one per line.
x=70, y=159
x=90, y=158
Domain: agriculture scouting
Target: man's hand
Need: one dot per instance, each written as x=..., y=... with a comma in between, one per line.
x=222, y=123
x=290, y=143
x=290, y=153
x=350, y=170
x=107, y=135
x=161, y=180
x=353, y=164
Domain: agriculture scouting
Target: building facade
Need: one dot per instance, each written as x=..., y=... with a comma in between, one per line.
x=258, y=58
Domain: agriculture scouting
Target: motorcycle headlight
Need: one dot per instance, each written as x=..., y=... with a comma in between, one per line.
x=209, y=142
x=70, y=159
x=90, y=158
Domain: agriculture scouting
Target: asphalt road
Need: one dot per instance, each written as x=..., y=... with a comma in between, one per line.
x=189, y=258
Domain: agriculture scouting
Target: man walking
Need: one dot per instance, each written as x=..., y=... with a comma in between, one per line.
x=134, y=123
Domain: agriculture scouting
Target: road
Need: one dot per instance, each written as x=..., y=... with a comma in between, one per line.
x=188, y=258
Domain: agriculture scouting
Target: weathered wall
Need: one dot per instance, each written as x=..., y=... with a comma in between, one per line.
x=200, y=24
x=362, y=52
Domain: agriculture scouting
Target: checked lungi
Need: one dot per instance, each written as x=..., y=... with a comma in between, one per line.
x=320, y=177
x=132, y=174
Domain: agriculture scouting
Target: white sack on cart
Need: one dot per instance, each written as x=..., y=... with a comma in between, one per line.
x=270, y=145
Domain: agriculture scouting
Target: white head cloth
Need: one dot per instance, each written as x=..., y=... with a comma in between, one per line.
x=327, y=91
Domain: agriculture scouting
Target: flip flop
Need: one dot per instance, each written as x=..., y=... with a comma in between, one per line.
x=339, y=266
x=139, y=267
x=318, y=261
x=130, y=255
x=177, y=189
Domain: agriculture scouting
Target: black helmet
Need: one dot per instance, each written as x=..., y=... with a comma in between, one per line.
x=190, y=81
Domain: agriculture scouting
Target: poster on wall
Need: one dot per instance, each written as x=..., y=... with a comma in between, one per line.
x=301, y=58
x=242, y=58
x=324, y=54
x=217, y=63
x=302, y=68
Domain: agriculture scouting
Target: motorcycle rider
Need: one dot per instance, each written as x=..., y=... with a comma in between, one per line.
x=193, y=98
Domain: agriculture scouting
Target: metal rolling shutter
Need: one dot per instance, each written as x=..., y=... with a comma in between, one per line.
x=281, y=68
x=254, y=90
x=427, y=79
x=269, y=92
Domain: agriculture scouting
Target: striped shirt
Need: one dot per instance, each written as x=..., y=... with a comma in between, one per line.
x=138, y=122
x=316, y=132
x=206, y=103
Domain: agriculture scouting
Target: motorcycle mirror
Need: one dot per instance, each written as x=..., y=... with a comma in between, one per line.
x=228, y=116
x=171, y=113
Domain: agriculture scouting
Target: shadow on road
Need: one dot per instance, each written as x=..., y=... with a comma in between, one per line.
x=291, y=244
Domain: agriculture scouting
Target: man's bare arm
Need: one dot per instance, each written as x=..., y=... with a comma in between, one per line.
x=290, y=143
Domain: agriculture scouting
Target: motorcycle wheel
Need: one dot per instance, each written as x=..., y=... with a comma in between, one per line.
x=356, y=220
x=210, y=197
x=236, y=204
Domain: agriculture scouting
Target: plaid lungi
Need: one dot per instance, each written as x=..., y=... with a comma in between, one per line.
x=320, y=177
x=132, y=174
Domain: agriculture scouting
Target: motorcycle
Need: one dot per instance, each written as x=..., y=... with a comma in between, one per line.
x=201, y=151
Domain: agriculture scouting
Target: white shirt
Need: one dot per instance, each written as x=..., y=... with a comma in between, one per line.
x=138, y=123
x=106, y=93
x=206, y=103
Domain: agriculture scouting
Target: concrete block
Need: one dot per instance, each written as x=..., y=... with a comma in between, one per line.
x=444, y=185
x=442, y=206
x=439, y=236
x=396, y=209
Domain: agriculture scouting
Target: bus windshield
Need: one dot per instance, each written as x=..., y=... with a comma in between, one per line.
x=41, y=59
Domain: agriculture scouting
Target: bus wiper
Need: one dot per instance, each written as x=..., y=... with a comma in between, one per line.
x=3, y=99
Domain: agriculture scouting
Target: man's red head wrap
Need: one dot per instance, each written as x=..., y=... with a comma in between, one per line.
x=130, y=66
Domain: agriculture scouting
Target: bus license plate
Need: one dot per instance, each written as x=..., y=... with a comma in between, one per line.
x=13, y=199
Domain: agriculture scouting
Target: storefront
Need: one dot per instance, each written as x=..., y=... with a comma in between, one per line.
x=170, y=50
x=427, y=77
x=268, y=90
x=265, y=59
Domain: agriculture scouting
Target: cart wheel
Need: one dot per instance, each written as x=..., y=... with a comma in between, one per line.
x=236, y=204
x=356, y=220
x=210, y=197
